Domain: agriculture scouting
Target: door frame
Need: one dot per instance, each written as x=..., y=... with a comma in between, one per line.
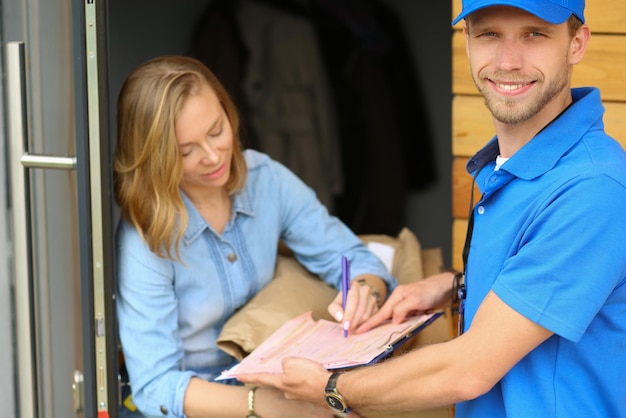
x=101, y=369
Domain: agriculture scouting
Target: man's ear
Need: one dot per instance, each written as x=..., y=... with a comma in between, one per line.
x=578, y=44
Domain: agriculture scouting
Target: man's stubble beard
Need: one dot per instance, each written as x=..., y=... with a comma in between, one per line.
x=512, y=111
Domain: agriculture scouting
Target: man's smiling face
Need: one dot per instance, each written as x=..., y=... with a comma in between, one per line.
x=519, y=62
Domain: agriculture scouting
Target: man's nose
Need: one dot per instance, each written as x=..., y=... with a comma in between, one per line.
x=510, y=55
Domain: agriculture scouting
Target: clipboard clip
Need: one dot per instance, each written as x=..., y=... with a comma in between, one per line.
x=391, y=340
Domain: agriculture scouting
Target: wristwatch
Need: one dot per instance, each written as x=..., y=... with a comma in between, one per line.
x=334, y=399
x=251, y=413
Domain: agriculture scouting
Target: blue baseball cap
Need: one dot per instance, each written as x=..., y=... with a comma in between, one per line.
x=552, y=11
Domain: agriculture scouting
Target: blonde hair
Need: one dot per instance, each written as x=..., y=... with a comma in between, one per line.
x=147, y=161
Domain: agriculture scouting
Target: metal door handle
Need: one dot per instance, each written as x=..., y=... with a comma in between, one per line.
x=47, y=161
x=18, y=126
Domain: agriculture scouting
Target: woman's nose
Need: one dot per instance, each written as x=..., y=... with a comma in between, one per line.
x=211, y=154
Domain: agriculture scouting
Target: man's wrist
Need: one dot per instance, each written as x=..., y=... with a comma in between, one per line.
x=334, y=399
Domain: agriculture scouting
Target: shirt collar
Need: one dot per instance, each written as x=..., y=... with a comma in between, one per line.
x=242, y=204
x=543, y=152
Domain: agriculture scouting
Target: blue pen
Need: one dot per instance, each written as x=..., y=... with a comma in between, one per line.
x=345, y=286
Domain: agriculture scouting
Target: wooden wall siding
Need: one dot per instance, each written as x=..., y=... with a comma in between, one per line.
x=461, y=189
x=459, y=229
x=604, y=66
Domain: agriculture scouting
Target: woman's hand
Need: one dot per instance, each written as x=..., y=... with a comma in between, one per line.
x=366, y=294
x=415, y=298
x=302, y=383
x=301, y=379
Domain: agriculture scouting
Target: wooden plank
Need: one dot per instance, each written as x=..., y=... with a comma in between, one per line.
x=461, y=189
x=472, y=127
x=615, y=121
x=459, y=230
x=602, y=16
x=604, y=66
x=462, y=82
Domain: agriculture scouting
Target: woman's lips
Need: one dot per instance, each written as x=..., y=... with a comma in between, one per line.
x=216, y=173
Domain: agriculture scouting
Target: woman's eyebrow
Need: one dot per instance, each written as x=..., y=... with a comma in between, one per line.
x=217, y=120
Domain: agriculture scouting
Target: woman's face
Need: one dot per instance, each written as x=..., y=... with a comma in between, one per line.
x=205, y=141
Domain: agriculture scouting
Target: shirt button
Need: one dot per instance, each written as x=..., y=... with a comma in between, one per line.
x=232, y=257
x=481, y=210
x=163, y=410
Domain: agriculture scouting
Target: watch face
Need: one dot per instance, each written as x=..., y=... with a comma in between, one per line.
x=335, y=402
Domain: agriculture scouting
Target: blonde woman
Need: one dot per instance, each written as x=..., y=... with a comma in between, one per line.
x=201, y=223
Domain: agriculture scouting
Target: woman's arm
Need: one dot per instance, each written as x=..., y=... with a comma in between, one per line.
x=207, y=399
x=319, y=240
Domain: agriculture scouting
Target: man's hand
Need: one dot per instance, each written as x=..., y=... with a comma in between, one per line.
x=415, y=298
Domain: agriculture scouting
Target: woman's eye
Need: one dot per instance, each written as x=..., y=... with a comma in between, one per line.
x=217, y=132
x=185, y=151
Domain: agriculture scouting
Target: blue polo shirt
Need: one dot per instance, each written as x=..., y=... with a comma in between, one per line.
x=550, y=240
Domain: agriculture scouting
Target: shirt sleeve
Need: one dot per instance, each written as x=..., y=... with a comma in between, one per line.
x=570, y=258
x=148, y=327
x=319, y=239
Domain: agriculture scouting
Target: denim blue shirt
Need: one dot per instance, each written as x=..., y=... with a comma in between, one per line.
x=170, y=313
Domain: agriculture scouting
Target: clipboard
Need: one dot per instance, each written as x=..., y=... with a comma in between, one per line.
x=323, y=341
x=397, y=343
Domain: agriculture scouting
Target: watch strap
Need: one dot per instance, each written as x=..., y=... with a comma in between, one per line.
x=331, y=385
x=334, y=399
